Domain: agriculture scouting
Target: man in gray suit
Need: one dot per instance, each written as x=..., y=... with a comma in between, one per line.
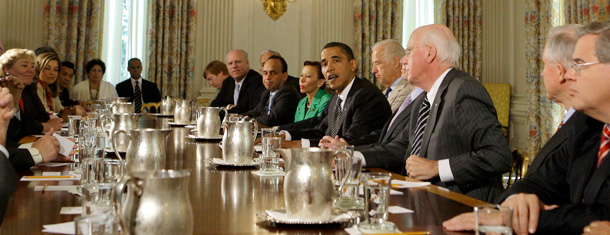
x=455, y=139
x=386, y=57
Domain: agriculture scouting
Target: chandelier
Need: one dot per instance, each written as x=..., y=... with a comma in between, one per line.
x=275, y=8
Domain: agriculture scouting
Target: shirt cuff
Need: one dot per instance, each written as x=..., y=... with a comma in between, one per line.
x=305, y=143
x=287, y=134
x=3, y=150
x=36, y=156
x=359, y=155
x=444, y=170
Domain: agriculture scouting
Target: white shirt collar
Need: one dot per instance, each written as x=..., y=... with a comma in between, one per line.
x=345, y=91
x=568, y=114
x=434, y=89
x=395, y=84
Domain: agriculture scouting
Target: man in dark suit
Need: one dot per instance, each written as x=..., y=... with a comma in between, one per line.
x=247, y=82
x=357, y=108
x=455, y=139
x=147, y=90
x=8, y=177
x=279, y=102
x=293, y=81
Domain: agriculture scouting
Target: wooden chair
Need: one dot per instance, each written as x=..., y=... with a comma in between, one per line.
x=151, y=107
x=500, y=95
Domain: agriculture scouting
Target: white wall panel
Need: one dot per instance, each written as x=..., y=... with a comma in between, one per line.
x=21, y=23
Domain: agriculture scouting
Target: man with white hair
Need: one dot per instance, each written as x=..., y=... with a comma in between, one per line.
x=386, y=57
x=455, y=139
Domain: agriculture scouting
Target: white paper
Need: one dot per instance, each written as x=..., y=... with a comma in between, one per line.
x=259, y=173
x=399, y=210
x=66, y=145
x=61, y=228
x=407, y=184
x=50, y=178
x=71, y=210
x=51, y=173
x=281, y=216
x=56, y=188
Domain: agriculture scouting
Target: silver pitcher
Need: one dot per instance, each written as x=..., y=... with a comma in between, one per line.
x=155, y=202
x=167, y=106
x=208, y=121
x=115, y=122
x=146, y=151
x=238, y=141
x=183, y=111
x=308, y=185
x=122, y=107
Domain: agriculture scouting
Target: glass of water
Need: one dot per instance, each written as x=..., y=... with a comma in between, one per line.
x=493, y=219
x=349, y=194
x=98, y=198
x=96, y=224
x=376, y=202
x=270, y=158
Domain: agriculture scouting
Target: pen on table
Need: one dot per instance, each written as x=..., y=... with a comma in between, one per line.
x=44, y=188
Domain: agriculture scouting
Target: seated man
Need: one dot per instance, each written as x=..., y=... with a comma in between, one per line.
x=66, y=76
x=216, y=72
x=357, y=108
x=279, y=102
x=8, y=178
x=386, y=67
x=138, y=90
x=293, y=81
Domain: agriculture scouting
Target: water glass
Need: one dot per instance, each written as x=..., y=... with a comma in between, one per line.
x=268, y=132
x=110, y=170
x=349, y=195
x=73, y=124
x=493, y=219
x=233, y=117
x=270, y=157
x=342, y=162
x=89, y=171
x=96, y=224
x=376, y=201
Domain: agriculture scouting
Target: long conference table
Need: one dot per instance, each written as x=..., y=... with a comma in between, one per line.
x=226, y=200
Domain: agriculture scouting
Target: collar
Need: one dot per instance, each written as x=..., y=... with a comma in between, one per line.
x=240, y=83
x=415, y=93
x=434, y=89
x=568, y=115
x=395, y=84
x=345, y=92
x=133, y=80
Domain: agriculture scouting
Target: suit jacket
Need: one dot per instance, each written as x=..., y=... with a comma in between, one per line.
x=249, y=93
x=284, y=105
x=571, y=180
x=389, y=150
x=21, y=159
x=64, y=97
x=365, y=110
x=150, y=91
x=399, y=94
x=8, y=179
x=555, y=143
x=294, y=82
x=463, y=127
x=31, y=118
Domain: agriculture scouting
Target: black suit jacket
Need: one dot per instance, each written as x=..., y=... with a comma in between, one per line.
x=64, y=97
x=365, y=110
x=555, y=143
x=463, y=127
x=8, y=179
x=285, y=102
x=21, y=159
x=385, y=154
x=571, y=180
x=150, y=91
x=249, y=93
x=31, y=118
x=294, y=82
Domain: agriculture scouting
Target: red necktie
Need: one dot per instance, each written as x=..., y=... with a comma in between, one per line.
x=605, y=144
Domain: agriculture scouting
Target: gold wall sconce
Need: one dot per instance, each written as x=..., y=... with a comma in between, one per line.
x=275, y=8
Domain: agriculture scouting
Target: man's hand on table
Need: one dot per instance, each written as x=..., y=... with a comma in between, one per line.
x=48, y=146
x=329, y=142
x=54, y=123
x=597, y=228
x=420, y=168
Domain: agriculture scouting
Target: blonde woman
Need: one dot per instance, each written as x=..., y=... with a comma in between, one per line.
x=47, y=88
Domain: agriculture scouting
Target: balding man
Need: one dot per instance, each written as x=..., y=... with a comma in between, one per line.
x=386, y=57
x=293, y=81
x=243, y=92
x=455, y=139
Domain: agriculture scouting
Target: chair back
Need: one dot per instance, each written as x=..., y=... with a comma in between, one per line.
x=151, y=107
x=500, y=95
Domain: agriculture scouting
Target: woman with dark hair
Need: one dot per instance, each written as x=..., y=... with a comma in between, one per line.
x=93, y=88
x=311, y=83
x=47, y=68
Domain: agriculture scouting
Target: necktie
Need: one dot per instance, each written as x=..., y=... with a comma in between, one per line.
x=403, y=106
x=387, y=92
x=422, y=119
x=236, y=94
x=605, y=144
x=336, y=122
x=138, y=98
x=270, y=103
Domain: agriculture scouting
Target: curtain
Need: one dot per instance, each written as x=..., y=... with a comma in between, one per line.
x=586, y=11
x=543, y=116
x=74, y=29
x=463, y=17
x=375, y=20
x=171, y=50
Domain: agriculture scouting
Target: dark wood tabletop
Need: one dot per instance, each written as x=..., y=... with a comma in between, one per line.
x=225, y=200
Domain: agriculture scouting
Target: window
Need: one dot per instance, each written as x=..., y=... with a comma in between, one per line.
x=125, y=24
x=415, y=13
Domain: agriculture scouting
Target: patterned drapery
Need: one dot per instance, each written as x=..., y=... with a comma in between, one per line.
x=463, y=17
x=586, y=11
x=543, y=116
x=374, y=21
x=172, y=46
x=74, y=29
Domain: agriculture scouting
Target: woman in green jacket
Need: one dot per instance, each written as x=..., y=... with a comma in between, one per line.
x=312, y=84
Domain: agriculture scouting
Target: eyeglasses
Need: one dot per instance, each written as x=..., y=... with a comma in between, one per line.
x=579, y=66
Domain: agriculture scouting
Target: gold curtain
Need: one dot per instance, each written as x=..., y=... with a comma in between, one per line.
x=172, y=46
x=586, y=11
x=74, y=29
x=375, y=20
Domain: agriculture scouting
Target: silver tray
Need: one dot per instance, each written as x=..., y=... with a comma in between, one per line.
x=251, y=164
x=348, y=218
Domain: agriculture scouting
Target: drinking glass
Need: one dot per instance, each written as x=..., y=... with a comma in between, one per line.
x=73, y=124
x=98, y=198
x=376, y=201
x=342, y=162
x=233, y=117
x=349, y=195
x=96, y=224
x=110, y=170
x=493, y=219
x=270, y=158
x=89, y=171
x=268, y=132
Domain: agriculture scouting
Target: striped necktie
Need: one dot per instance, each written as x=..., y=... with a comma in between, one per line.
x=422, y=119
x=605, y=145
x=138, y=98
x=387, y=92
x=336, y=122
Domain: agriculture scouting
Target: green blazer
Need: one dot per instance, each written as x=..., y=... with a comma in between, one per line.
x=315, y=108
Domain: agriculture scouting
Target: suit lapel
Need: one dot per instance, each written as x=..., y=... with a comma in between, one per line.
x=349, y=101
x=434, y=111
